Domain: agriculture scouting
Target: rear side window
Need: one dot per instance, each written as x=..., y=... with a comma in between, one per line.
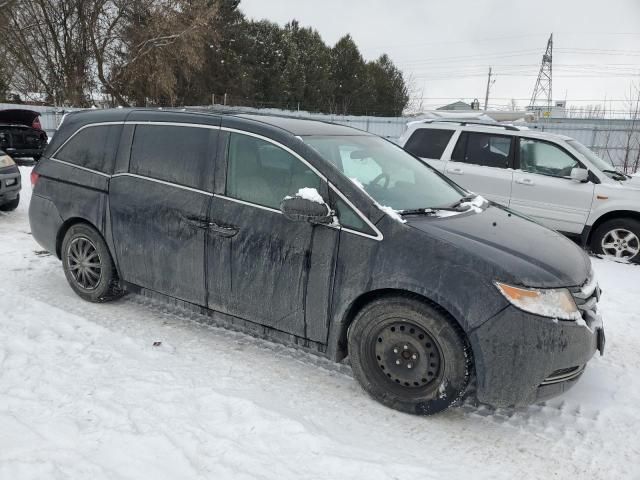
x=182, y=155
x=428, y=143
x=262, y=173
x=483, y=149
x=92, y=147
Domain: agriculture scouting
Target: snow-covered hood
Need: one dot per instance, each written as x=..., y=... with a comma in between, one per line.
x=520, y=251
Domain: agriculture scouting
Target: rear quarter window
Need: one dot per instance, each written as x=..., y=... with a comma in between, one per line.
x=93, y=147
x=428, y=143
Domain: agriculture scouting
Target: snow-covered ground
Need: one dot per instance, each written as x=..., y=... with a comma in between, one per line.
x=84, y=394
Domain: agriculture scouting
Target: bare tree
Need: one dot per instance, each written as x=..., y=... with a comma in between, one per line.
x=45, y=41
x=632, y=136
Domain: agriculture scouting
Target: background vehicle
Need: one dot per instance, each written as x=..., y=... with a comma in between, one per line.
x=322, y=236
x=21, y=134
x=10, y=183
x=553, y=179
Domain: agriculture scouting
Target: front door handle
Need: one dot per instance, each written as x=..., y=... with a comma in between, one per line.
x=455, y=171
x=525, y=181
x=225, y=231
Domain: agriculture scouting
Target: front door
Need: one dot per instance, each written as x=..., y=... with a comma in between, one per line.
x=543, y=189
x=482, y=163
x=264, y=267
x=159, y=209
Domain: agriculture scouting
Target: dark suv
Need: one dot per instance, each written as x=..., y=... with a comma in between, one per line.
x=21, y=134
x=325, y=237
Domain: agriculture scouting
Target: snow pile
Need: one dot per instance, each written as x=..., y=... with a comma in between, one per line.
x=310, y=194
x=358, y=183
x=85, y=394
x=476, y=204
x=392, y=213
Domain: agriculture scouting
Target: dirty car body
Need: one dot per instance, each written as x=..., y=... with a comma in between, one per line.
x=216, y=239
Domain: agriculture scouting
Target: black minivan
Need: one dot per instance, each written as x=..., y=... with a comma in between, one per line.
x=325, y=237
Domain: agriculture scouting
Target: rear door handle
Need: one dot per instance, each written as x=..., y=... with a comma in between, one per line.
x=525, y=181
x=455, y=171
x=226, y=231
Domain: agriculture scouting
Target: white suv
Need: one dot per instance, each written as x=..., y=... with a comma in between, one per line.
x=551, y=178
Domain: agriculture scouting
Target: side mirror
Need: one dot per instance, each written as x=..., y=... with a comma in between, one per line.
x=307, y=206
x=580, y=174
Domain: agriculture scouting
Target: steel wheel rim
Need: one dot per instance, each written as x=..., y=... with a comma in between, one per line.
x=84, y=262
x=407, y=355
x=620, y=243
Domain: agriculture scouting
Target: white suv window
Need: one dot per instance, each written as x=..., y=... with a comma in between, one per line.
x=483, y=149
x=544, y=158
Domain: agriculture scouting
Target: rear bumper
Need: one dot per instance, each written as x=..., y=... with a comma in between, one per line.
x=24, y=152
x=523, y=358
x=45, y=222
x=10, y=183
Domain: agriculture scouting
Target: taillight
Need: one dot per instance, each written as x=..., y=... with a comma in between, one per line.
x=36, y=124
x=34, y=178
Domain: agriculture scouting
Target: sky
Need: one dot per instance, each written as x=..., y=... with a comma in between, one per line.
x=445, y=48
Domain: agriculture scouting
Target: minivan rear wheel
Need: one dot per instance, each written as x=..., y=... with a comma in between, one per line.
x=88, y=265
x=409, y=355
x=618, y=238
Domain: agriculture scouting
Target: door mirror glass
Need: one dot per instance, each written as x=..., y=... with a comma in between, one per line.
x=579, y=174
x=307, y=206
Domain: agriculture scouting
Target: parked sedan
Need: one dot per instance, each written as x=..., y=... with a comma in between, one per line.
x=10, y=183
x=325, y=237
x=21, y=134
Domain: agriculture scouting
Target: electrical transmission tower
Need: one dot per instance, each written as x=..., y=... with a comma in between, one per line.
x=542, y=90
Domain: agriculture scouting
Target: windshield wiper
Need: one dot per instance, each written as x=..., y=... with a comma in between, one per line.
x=457, y=204
x=427, y=211
x=617, y=172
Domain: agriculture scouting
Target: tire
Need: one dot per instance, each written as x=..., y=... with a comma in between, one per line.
x=88, y=265
x=618, y=238
x=10, y=206
x=409, y=355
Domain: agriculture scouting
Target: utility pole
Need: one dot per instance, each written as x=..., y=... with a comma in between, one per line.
x=486, y=96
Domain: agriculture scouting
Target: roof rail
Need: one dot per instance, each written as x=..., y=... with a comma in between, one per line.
x=471, y=122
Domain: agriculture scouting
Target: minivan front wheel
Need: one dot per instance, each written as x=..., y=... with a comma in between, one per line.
x=409, y=355
x=618, y=238
x=88, y=265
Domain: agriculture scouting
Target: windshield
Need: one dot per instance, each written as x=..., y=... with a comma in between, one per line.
x=598, y=162
x=391, y=176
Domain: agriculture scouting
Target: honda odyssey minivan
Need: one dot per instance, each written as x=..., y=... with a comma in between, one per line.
x=325, y=237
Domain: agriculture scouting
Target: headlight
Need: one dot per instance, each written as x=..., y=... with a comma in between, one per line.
x=6, y=161
x=552, y=303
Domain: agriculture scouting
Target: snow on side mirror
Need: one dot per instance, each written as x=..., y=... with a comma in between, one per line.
x=580, y=174
x=307, y=206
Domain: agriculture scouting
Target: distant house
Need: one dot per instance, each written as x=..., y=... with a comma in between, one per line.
x=456, y=106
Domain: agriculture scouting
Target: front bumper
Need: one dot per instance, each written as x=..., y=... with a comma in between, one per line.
x=523, y=358
x=10, y=183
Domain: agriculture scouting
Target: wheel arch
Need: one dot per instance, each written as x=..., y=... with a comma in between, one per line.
x=339, y=340
x=64, y=228
x=613, y=215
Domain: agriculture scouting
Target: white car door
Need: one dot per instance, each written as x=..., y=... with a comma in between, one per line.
x=429, y=144
x=543, y=189
x=482, y=163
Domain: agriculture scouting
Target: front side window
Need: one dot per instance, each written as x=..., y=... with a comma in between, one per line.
x=545, y=158
x=182, y=155
x=262, y=173
x=391, y=176
x=428, y=142
x=483, y=149
x=92, y=147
